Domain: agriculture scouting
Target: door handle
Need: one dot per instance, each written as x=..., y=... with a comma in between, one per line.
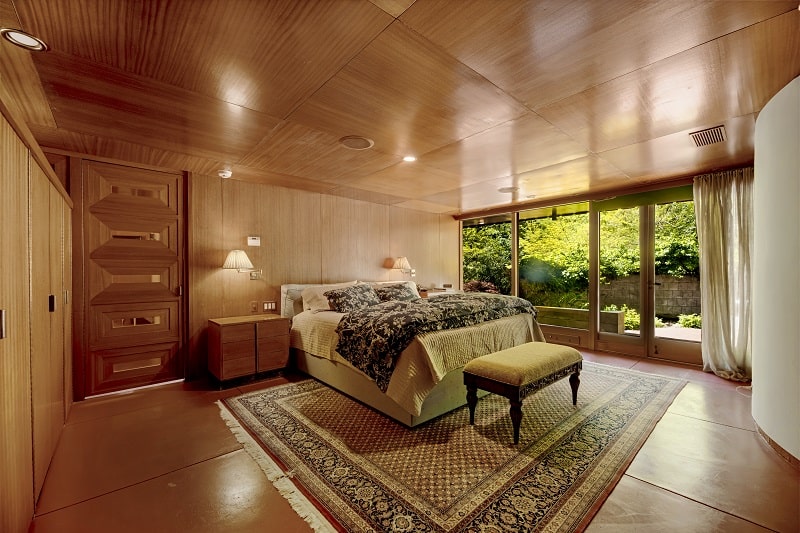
x=179, y=290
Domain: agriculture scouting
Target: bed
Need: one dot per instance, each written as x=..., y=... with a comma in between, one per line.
x=426, y=380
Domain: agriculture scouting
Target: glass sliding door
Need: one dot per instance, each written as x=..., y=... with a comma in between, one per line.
x=620, y=281
x=676, y=287
x=649, y=272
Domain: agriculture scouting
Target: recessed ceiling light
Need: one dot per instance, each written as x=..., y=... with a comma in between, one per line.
x=508, y=189
x=225, y=173
x=23, y=39
x=409, y=159
x=356, y=142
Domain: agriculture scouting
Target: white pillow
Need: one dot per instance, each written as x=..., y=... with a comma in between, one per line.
x=314, y=298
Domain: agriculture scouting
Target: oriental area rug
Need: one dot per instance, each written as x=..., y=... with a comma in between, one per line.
x=345, y=467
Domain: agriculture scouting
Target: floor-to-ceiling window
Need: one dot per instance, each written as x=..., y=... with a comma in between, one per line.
x=487, y=254
x=553, y=263
x=619, y=274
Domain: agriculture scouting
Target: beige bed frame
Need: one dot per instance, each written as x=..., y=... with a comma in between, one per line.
x=450, y=393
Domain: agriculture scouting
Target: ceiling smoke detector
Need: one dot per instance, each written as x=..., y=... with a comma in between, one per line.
x=708, y=136
x=356, y=142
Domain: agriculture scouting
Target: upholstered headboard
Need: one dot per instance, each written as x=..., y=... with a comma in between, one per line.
x=292, y=299
x=292, y=294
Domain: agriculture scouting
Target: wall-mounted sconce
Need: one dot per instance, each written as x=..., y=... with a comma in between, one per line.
x=238, y=260
x=402, y=264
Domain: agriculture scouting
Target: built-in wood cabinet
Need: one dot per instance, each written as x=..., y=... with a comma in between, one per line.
x=16, y=444
x=48, y=295
x=35, y=215
x=244, y=345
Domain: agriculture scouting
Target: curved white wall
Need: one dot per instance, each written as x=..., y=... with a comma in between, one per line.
x=776, y=270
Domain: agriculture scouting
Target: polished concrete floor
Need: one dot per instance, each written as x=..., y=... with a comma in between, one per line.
x=162, y=460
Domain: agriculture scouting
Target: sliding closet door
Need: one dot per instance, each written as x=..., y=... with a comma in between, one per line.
x=16, y=444
x=133, y=262
x=47, y=321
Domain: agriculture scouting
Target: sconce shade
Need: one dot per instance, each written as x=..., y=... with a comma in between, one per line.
x=238, y=259
x=401, y=263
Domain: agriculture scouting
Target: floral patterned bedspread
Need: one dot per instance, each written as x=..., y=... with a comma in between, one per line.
x=372, y=338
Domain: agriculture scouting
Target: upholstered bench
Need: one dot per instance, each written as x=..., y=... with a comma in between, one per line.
x=519, y=371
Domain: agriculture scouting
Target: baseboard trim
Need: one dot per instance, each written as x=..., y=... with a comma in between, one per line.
x=785, y=455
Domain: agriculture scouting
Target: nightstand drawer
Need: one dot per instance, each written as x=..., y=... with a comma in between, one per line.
x=239, y=332
x=237, y=350
x=243, y=366
x=273, y=344
x=273, y=328
x=272, y=360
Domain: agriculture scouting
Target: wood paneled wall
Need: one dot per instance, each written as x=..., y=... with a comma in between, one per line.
x=16, y=443
x=34, y=210
x=305, y=238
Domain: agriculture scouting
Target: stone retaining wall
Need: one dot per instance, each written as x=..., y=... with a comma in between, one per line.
x=675, y=296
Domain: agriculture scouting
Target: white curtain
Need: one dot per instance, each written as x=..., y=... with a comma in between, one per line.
x=724, y=212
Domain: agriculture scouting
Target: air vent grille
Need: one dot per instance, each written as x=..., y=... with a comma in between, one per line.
x=709, y=136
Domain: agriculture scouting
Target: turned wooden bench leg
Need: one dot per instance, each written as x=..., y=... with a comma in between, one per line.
x=472, y=401
x=574, y=382
x=516, y=417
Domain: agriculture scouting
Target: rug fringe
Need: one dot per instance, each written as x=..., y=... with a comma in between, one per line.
x=281, y=481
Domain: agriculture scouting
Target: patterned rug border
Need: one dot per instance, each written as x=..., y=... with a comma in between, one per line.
x=622, y=448
x=298, y=501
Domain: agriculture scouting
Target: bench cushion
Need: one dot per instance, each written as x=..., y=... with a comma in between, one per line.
x=523, y=364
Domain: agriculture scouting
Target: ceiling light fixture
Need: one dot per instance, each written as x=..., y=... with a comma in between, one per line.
x=23, y=39
x=409, y=159
x=225, y=173
x=356, y=142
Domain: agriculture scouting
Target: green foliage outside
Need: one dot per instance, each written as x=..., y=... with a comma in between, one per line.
x=487, y=255
x=690, y=321
x=554, y=253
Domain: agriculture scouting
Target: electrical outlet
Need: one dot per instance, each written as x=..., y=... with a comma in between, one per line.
x=269, y=306
x=254, y=307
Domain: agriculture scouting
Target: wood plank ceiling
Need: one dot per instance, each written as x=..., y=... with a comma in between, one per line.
x=552, y=98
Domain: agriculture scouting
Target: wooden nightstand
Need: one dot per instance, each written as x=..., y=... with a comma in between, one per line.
x=245, y=345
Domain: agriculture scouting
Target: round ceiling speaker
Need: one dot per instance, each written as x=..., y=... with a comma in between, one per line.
x=356, y=142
